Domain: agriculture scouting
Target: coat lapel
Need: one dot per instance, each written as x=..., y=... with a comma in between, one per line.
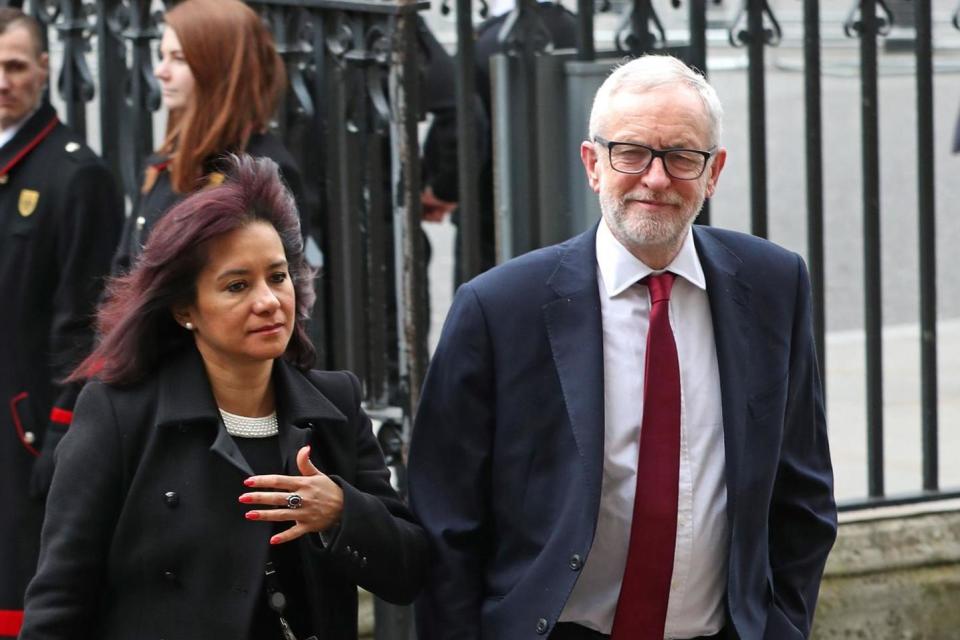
x=575, y=331
x=305, y=412
x=729, y=298
x=185, y=397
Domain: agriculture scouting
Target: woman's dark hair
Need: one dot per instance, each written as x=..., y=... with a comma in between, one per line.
x=135, y=326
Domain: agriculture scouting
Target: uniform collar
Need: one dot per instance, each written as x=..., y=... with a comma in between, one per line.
x=621, y=269
x=31, y=133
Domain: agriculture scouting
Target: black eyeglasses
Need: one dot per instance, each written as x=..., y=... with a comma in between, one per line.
x=682, y=164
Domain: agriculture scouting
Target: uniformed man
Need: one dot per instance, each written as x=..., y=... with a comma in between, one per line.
x=60, y=219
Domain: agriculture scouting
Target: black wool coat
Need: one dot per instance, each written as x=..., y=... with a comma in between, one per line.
x=60, y=218
x=144, y=537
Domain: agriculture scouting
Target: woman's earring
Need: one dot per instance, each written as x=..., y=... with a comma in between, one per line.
x=188, y=326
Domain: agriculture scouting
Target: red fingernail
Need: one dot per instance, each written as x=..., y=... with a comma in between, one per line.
x=248, y=482
x=275, y=540
x=252, y=515
x=245, y=498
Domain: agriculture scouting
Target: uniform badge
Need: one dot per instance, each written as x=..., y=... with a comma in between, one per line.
x=215, y=179
x=28, y=202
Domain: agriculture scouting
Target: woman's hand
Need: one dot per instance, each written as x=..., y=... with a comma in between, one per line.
x=321, y=500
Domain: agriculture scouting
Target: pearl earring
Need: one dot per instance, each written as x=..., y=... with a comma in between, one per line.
x=188, y=326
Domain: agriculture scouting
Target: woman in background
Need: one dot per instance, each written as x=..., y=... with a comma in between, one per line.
x=221, y=79
x=212, y=485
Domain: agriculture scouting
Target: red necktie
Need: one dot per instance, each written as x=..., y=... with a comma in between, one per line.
x=645, y=591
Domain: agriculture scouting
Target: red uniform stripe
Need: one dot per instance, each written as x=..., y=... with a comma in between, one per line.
x=61, y=416
x=10, y=622
x=14, y=401
x=30, y=146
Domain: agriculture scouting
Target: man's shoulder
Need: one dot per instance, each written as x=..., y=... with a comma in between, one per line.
x=745, y=246
x=63, y=143
x=531, y=269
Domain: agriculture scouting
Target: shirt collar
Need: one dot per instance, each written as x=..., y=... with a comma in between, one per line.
x=620, y=269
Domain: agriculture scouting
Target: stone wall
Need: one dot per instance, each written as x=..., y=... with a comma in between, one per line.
x=894, y=574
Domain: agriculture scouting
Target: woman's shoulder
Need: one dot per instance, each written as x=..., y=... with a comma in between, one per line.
x=337, y=385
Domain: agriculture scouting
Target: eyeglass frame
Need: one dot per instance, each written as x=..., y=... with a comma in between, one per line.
x=654, y=154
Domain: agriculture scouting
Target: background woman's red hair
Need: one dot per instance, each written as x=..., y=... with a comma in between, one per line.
x=239, y=76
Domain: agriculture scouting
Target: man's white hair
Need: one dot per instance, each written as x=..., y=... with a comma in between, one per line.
x=651, y=72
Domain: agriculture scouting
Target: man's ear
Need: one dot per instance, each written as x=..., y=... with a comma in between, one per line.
x=589, y=157
x=44, y=61
x=716, y=166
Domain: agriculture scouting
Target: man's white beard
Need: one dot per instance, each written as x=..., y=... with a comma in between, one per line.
x=635, y=229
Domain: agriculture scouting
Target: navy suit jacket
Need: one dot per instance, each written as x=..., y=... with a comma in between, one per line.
x=507, y=453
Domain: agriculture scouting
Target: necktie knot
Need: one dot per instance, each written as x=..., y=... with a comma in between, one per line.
x=660, y=285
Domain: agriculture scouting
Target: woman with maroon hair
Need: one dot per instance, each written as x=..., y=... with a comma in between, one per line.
x=221, y=80
x=212, y=485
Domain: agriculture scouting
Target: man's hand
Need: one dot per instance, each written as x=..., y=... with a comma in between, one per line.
x=434, y=209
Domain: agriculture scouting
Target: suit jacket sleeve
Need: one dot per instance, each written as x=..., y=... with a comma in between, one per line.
x=378, y=544
x=803, y=515
x=449, y=472
x=82, y=509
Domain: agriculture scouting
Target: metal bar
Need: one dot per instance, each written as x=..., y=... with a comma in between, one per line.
x=814, y=165
x=642, y=40
x=893, y=501
x=111, y=74
x=586, y=49
x=697, y=17
x=758, y=119
x=144, y=92
x=871, y=243
x=411, y=271
x=469, y=233
x=360, y=6
x=344, y=266
x=74, y=82
x=926, y=207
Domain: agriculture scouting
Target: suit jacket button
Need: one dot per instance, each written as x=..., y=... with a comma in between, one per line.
x=542, y=626
x=171, y=499
x=169, y=576
x=363, y=562
x=356, y=556
x=576, y=562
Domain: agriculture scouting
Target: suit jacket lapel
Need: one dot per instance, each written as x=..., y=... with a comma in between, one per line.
x=575, y=331
x=730, y=309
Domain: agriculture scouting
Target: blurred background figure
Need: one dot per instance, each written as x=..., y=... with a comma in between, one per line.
x=562, y=25
x=221, y=79
x=236, y=493
x=60, y=218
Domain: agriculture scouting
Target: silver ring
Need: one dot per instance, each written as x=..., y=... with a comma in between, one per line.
x=294, y=501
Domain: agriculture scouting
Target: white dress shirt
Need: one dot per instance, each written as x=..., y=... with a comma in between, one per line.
x=700, y=561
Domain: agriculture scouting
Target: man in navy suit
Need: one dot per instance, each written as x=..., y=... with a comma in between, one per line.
x=531, y=465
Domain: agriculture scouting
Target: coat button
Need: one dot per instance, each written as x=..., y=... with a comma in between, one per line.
x=169, y=576
x=363, y=562
x=171, y=499
x=356, y=556
x=542, y=626
x=576, y=562
x=29, y=437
